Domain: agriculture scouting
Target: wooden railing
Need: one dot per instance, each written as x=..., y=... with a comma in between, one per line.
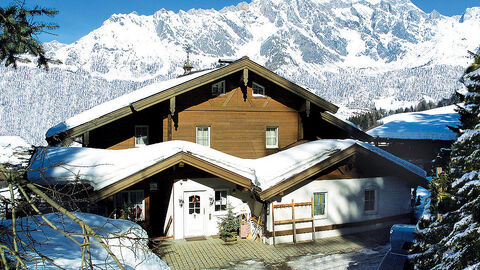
x=294, y=220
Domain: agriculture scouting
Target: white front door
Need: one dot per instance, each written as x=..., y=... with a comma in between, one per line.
x=194, y=213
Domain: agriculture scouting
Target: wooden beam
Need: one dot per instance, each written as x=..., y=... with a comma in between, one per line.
x=86, y=138
x=172, y=106
x=307, y=108
x=169, y=128
x=293, y=223
x=245, y=76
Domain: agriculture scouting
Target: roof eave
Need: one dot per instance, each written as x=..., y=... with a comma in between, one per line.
x=243, y=63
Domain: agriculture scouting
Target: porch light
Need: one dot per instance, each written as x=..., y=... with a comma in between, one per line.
x=180, y=202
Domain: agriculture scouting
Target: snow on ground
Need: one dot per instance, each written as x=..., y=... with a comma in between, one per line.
x=14, y=150
x=100, y=167
x=426, y=125
x=363, y=259
x=131, y=249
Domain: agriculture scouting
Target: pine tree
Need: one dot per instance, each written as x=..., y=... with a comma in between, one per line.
x=451, y=236
x=18, y=32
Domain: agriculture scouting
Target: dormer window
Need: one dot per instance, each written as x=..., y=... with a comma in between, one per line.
x=258, y=90
x=218, y=88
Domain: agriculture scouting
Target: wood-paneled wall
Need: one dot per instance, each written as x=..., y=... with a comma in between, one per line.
x=237, y=119
x=237, y=125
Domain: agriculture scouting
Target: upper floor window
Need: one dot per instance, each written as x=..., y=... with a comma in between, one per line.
x=203, y=135
x=220, y=200
x=271, y=137
x=130, y=204
x=370, y=200
x=320, y=204
x=258, y=90
x=218, y=88
x=141, y=135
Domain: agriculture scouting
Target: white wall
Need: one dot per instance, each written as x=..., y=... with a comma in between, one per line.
x=236, y=198
x=345, y=204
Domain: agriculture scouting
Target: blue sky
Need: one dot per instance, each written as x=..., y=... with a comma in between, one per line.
x=77, y=18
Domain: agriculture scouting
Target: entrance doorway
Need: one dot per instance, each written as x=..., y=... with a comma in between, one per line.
x=194, y=213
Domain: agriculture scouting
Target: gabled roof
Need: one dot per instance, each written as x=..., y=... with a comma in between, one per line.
x=158, y=92
x=109, y=171
x=425, y=125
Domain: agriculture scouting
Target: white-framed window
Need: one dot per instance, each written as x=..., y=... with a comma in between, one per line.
x=271, y=137
x=130, y=204
x=141, y=135
x=370, y=200
x=320, y=204
x=257, y=89
x=218, y=88
x=203, y=135
x=220, y=200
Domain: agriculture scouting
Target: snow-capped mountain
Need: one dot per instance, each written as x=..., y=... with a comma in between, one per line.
x=351, y=52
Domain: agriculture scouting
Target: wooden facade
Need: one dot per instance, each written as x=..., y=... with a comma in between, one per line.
x=237, y=120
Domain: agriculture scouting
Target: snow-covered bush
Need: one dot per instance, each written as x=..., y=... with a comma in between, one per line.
x=43, y=247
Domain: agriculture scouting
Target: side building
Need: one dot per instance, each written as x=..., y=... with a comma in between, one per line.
x=179, y=152
x=418, y=137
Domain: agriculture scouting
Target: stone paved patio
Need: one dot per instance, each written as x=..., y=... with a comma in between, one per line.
x=214, y=253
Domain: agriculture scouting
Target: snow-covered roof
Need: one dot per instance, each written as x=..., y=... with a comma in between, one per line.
x=101, y=168
x=426, y=125
x=121, y=102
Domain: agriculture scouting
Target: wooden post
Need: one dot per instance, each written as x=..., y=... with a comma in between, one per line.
x=293, y=223
x=169, y=128
x=313, y=222
x=307, y=108
x=272, y=209
x=86, y=138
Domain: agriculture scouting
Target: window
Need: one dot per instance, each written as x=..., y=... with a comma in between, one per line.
x=194, y=204
x=220, y=200
x=320, y=203
x=130, y=205
x=218, y=88
x=369, y=199
x=258, y=90
x=141, y=136
x=271, y=137
x=203, y=136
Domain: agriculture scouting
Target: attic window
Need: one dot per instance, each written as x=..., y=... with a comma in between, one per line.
x=203, y=135
x=258, y=90
x=218, y=88
x=271, y=137
x=141, y=135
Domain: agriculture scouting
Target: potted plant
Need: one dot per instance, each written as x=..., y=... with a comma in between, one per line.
x=228, y=227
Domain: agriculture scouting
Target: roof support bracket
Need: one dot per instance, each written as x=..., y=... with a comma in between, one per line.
x=172, y=106
x=245, y=76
